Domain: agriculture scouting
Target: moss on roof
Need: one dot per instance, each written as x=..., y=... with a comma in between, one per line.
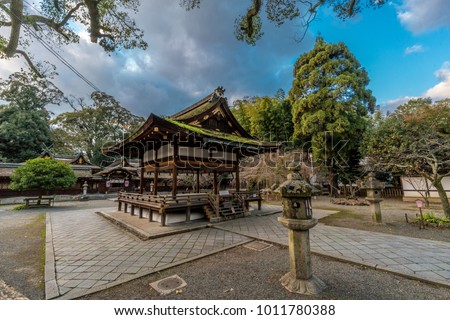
x=219, y=134
x=195, y=112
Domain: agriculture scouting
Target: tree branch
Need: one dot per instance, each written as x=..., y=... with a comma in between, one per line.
x=15, y=13
x=251, y=13
x=30, y=63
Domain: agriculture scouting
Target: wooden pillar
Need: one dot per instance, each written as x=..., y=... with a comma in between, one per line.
x=174, y=170
x=155, y=180
x=238, y=180
x=198, y=181
x=215, y=188
x=141, y=181
x=174, y=180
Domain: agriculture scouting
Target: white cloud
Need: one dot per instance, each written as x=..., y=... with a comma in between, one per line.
x=414, y=49
x=438, y=92
x=189, y=54
x=419, y=15
x=442, y=89
x=391, y=105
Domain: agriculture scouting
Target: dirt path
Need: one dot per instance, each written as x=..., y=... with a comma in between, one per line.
x=22, y=238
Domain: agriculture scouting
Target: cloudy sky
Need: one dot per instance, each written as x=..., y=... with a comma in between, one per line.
x=405, y=47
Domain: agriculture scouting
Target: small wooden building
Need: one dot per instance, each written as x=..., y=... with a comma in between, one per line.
x=204, y=138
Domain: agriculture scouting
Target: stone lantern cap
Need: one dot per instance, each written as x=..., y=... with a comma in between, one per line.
x=296, y=187
x=372, y=182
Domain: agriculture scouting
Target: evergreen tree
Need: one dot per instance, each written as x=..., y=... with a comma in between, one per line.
x=330, y=104
x=24, y=121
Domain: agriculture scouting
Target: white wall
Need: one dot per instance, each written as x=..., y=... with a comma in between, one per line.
x=410, y=186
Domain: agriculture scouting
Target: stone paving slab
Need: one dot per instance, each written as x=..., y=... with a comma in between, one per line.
x=415, y=258
x=91, y=253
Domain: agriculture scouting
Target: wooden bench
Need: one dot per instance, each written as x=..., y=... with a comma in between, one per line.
x=37, y=202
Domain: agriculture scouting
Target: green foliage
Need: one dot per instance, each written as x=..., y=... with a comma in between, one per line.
x=266, y=118
x=20, y=207
x=89, y=128
x=430, y=218
x=108, y=23
x=24, y=121
x=414, y=140
x=248, y=27
x=330, y=104
x=43, y=174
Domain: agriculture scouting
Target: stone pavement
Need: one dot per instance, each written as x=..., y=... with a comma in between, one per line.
x=86, y=253
x=415, y=258
x=90, y=253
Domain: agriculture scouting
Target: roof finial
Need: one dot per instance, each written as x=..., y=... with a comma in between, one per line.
x=218, y=93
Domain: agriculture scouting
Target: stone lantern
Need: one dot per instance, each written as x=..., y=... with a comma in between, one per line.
x=374, y=188
x=297, y=217
x=85, y=188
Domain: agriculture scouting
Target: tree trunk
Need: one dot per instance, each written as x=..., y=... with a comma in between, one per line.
x=443, y=197
x=332, y=180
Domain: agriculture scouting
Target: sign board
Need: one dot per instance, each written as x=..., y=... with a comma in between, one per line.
x=419, y=203
x=127, y=183
x=108, y=184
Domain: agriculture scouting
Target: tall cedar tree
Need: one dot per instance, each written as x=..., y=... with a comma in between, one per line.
x=330, y=105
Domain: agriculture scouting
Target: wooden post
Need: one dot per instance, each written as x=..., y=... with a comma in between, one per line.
x=174, y=181
x=140, y=212
x=174, y=171
x=215, y=189
x=198, y=181
x=238, y=180
x=155, y=180
x=141, y=182
x=150, y=215
x=188, y=210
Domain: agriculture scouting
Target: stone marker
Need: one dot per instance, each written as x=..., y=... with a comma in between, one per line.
x=297, y=217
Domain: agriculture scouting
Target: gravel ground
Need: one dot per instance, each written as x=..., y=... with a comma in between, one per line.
x=22, y=252
x=242, y=273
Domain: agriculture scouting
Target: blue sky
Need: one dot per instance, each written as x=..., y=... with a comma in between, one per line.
x=400, y=62
x=405, y=47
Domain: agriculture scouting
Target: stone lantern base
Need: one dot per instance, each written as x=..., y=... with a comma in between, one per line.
x=311, y=286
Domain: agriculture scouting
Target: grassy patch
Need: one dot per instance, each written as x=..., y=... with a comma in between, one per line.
x=20, y=207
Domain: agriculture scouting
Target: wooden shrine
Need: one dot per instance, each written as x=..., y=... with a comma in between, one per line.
x=203, y=138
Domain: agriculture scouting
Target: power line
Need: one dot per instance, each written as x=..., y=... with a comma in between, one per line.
x=56, y=54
